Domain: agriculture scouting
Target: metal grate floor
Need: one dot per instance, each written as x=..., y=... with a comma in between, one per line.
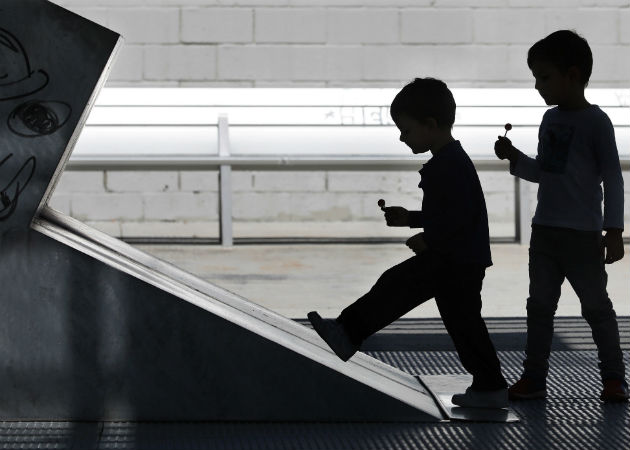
x=571, y=418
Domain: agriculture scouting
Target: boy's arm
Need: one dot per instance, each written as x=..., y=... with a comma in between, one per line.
x=521, y=165
x=416, y=219
x=610, y=168
x=524, y=167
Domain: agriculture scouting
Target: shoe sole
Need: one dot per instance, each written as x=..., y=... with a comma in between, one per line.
x=480, y=406
x=614, y=399
x=533, y=396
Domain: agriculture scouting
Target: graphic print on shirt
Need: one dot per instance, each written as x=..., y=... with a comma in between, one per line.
x=554, y=148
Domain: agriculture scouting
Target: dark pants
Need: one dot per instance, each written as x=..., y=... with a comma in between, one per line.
x=456, y=288
x=556, y=254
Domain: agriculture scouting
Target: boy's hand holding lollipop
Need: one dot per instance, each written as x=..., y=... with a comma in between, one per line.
x=503, y=146
x=395, y=216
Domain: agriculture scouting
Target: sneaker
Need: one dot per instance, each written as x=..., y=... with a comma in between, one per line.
x=615, y=391
x=527, y=389
x=482, y=399
x=334, y=334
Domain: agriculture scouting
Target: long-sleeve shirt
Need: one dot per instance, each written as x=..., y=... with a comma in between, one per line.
x=453, y=215
x=576, y=153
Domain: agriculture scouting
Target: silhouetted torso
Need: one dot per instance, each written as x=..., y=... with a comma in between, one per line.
x=454, y=215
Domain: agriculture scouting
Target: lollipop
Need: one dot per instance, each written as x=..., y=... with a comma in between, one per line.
x=508, y=127
x=381, y=203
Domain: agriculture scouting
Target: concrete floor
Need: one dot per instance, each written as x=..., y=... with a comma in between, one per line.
x=295, y=279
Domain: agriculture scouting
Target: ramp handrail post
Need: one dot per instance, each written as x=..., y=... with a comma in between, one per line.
x=225, y=184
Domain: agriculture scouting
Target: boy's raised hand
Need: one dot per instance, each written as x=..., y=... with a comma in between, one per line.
x=613, y=246
x=503, y=148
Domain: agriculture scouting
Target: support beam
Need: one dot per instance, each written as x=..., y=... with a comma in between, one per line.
x=225, y=185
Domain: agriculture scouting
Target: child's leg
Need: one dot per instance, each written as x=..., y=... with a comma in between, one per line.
x=459, y=302
x=397, y=291
x=546, y=276
x=587, y=274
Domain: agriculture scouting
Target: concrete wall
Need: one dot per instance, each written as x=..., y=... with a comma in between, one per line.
x=351, y=42
x=266, y=203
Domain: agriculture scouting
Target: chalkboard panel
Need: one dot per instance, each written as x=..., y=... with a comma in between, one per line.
x=52, y=64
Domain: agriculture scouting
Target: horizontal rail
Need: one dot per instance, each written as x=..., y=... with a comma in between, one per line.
x=270, y=162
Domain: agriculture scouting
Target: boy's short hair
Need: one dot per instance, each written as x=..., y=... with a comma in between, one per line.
x=425, y=98
x=564, y=49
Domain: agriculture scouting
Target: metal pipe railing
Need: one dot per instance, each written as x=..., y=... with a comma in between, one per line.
x=225, y=162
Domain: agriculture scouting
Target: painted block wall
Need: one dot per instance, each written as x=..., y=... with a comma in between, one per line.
x=265, y=203
x=371, y=43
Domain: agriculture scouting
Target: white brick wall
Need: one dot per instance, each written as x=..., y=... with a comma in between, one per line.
x=288, y=25
x=142, y=181
x=146, y=25
x=624, y=27
x=364, y=181
x=79, y=181
x=424, y=26
x=185, y=204
x=217, y=25
x=180, y=206
x=253, y=62
x=175, y=62
x=121, y=207
x=598, y=26
x=275, y=181
x=129, y=64
x=514, y=26
x=395, y=62
x=351, y=42
x=362, y=26
x=198, y=181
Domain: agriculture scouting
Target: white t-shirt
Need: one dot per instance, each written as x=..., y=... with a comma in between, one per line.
x=576, y=153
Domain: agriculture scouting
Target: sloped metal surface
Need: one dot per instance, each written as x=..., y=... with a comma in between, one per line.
x=99, y=330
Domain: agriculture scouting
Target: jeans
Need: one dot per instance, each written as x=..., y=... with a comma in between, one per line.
x=457, y=291
x=559, y=253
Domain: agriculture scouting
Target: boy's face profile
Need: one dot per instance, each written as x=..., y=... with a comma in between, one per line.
x=554, y=86
x=415, y=133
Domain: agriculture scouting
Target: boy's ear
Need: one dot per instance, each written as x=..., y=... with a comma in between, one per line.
x=431, y=122
x=574, y=73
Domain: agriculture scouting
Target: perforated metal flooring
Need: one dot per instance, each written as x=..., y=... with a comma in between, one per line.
x=571, y=417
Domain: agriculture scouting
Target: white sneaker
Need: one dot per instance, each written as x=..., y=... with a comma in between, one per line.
x=482, y=399
x=333, y=333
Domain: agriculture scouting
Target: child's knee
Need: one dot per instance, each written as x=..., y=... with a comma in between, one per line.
x=601, y=313
x=538, y=308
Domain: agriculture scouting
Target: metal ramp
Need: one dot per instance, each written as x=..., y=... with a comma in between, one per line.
x=233, y=361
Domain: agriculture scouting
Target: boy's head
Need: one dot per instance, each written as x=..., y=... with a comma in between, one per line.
x=562, y=61
x=425, y=98
x=421, y=109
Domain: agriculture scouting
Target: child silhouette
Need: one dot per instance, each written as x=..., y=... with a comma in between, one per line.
x=451, y=255
x=576, y=152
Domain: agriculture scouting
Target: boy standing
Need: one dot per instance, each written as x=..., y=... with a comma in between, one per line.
x=576, y=152
x=452, y=253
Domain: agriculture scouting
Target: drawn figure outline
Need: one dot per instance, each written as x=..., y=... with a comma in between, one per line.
x=38, y=118
x=17, y=79
x=10, y=204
